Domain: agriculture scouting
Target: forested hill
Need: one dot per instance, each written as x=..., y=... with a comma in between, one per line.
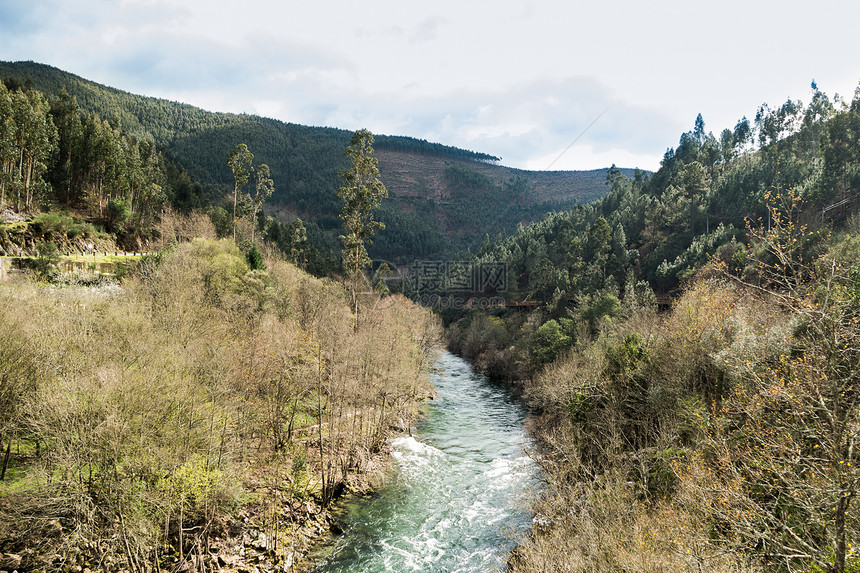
x=443, y=198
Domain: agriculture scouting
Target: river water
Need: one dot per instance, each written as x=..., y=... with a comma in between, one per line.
x=457, y=498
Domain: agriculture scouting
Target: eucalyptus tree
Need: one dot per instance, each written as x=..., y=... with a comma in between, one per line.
x=362, y=193
x=239, y=162
x=263, y=188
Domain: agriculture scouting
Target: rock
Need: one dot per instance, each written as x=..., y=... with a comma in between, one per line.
x=261, y=542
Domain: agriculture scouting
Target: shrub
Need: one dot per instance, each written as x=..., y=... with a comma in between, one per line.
x=52, y=224
x=118, y=213
x=548, y=342
x=255, y=258
x=45, y=264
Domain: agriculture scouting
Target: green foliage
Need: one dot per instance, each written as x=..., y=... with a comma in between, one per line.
x=667, y=226
x=28, y=138
x=221, y=220
x=626, y=358
x=549, y=341
x=728, y=414
x=362, y=193
x=600, y=310
x=45, y=263
x=263, y=189
x=145, y=404
x=239, y=162
x=723, y=242
x=54, y=224
x=193, y=487
x=255, y=258
x=424, y=147
x=118, y=213
x=303, y=160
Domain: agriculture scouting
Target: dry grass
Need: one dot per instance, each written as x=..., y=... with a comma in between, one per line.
x=149, y=402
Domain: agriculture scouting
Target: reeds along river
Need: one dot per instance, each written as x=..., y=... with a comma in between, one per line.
x=458, y=498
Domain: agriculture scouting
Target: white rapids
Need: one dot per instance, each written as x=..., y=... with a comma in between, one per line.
x=458, y=500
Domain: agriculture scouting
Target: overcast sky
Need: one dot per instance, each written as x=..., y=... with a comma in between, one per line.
x=518, y=79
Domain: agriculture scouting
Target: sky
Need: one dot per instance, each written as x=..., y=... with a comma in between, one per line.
x=541, y=84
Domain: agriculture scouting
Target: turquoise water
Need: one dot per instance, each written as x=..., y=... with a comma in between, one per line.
x=457, y=499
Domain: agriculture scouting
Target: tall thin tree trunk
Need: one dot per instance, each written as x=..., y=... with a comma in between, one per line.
x=319, y=426
x=6, y=459
x=235, y=201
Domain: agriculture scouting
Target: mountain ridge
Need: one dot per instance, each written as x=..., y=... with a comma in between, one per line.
x=451, y=197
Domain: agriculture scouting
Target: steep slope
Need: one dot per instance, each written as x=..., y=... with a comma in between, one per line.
x=444, y=199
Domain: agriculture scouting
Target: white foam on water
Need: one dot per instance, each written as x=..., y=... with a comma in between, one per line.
x=408, y=444
x=414, y=453
x=454, y=505
x=499, y=468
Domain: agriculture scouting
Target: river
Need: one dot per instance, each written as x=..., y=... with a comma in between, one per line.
x=457, y=497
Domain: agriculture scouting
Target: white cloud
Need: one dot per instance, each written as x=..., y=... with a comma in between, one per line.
x=520, y=79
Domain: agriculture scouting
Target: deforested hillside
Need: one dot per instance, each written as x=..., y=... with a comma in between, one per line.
x=447, y=199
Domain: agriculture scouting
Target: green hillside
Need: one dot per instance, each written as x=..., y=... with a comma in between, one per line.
x=444, y=199
x=712, y=427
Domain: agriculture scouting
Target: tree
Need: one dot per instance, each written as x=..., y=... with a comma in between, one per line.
x=263, y=188
x=742, y=133
x=239, y=162
x=298, y=243
x=783, y=448
x=67, y=117
x=28, y=137
x=695, y=182
x=118, y=213
x=599, y=244
x=254, y=258
x=549, y=341
x=699, y=129
x=362, y=193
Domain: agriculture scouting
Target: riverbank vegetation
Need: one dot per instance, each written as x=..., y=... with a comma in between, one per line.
x=689, y=344
x=712, y=426
x=151, y=425
x=200, y=404
x=720, y=436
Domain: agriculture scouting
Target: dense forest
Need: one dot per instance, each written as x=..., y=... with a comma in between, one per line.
x=304, y=162
x=55, y=155
x=690, y=346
